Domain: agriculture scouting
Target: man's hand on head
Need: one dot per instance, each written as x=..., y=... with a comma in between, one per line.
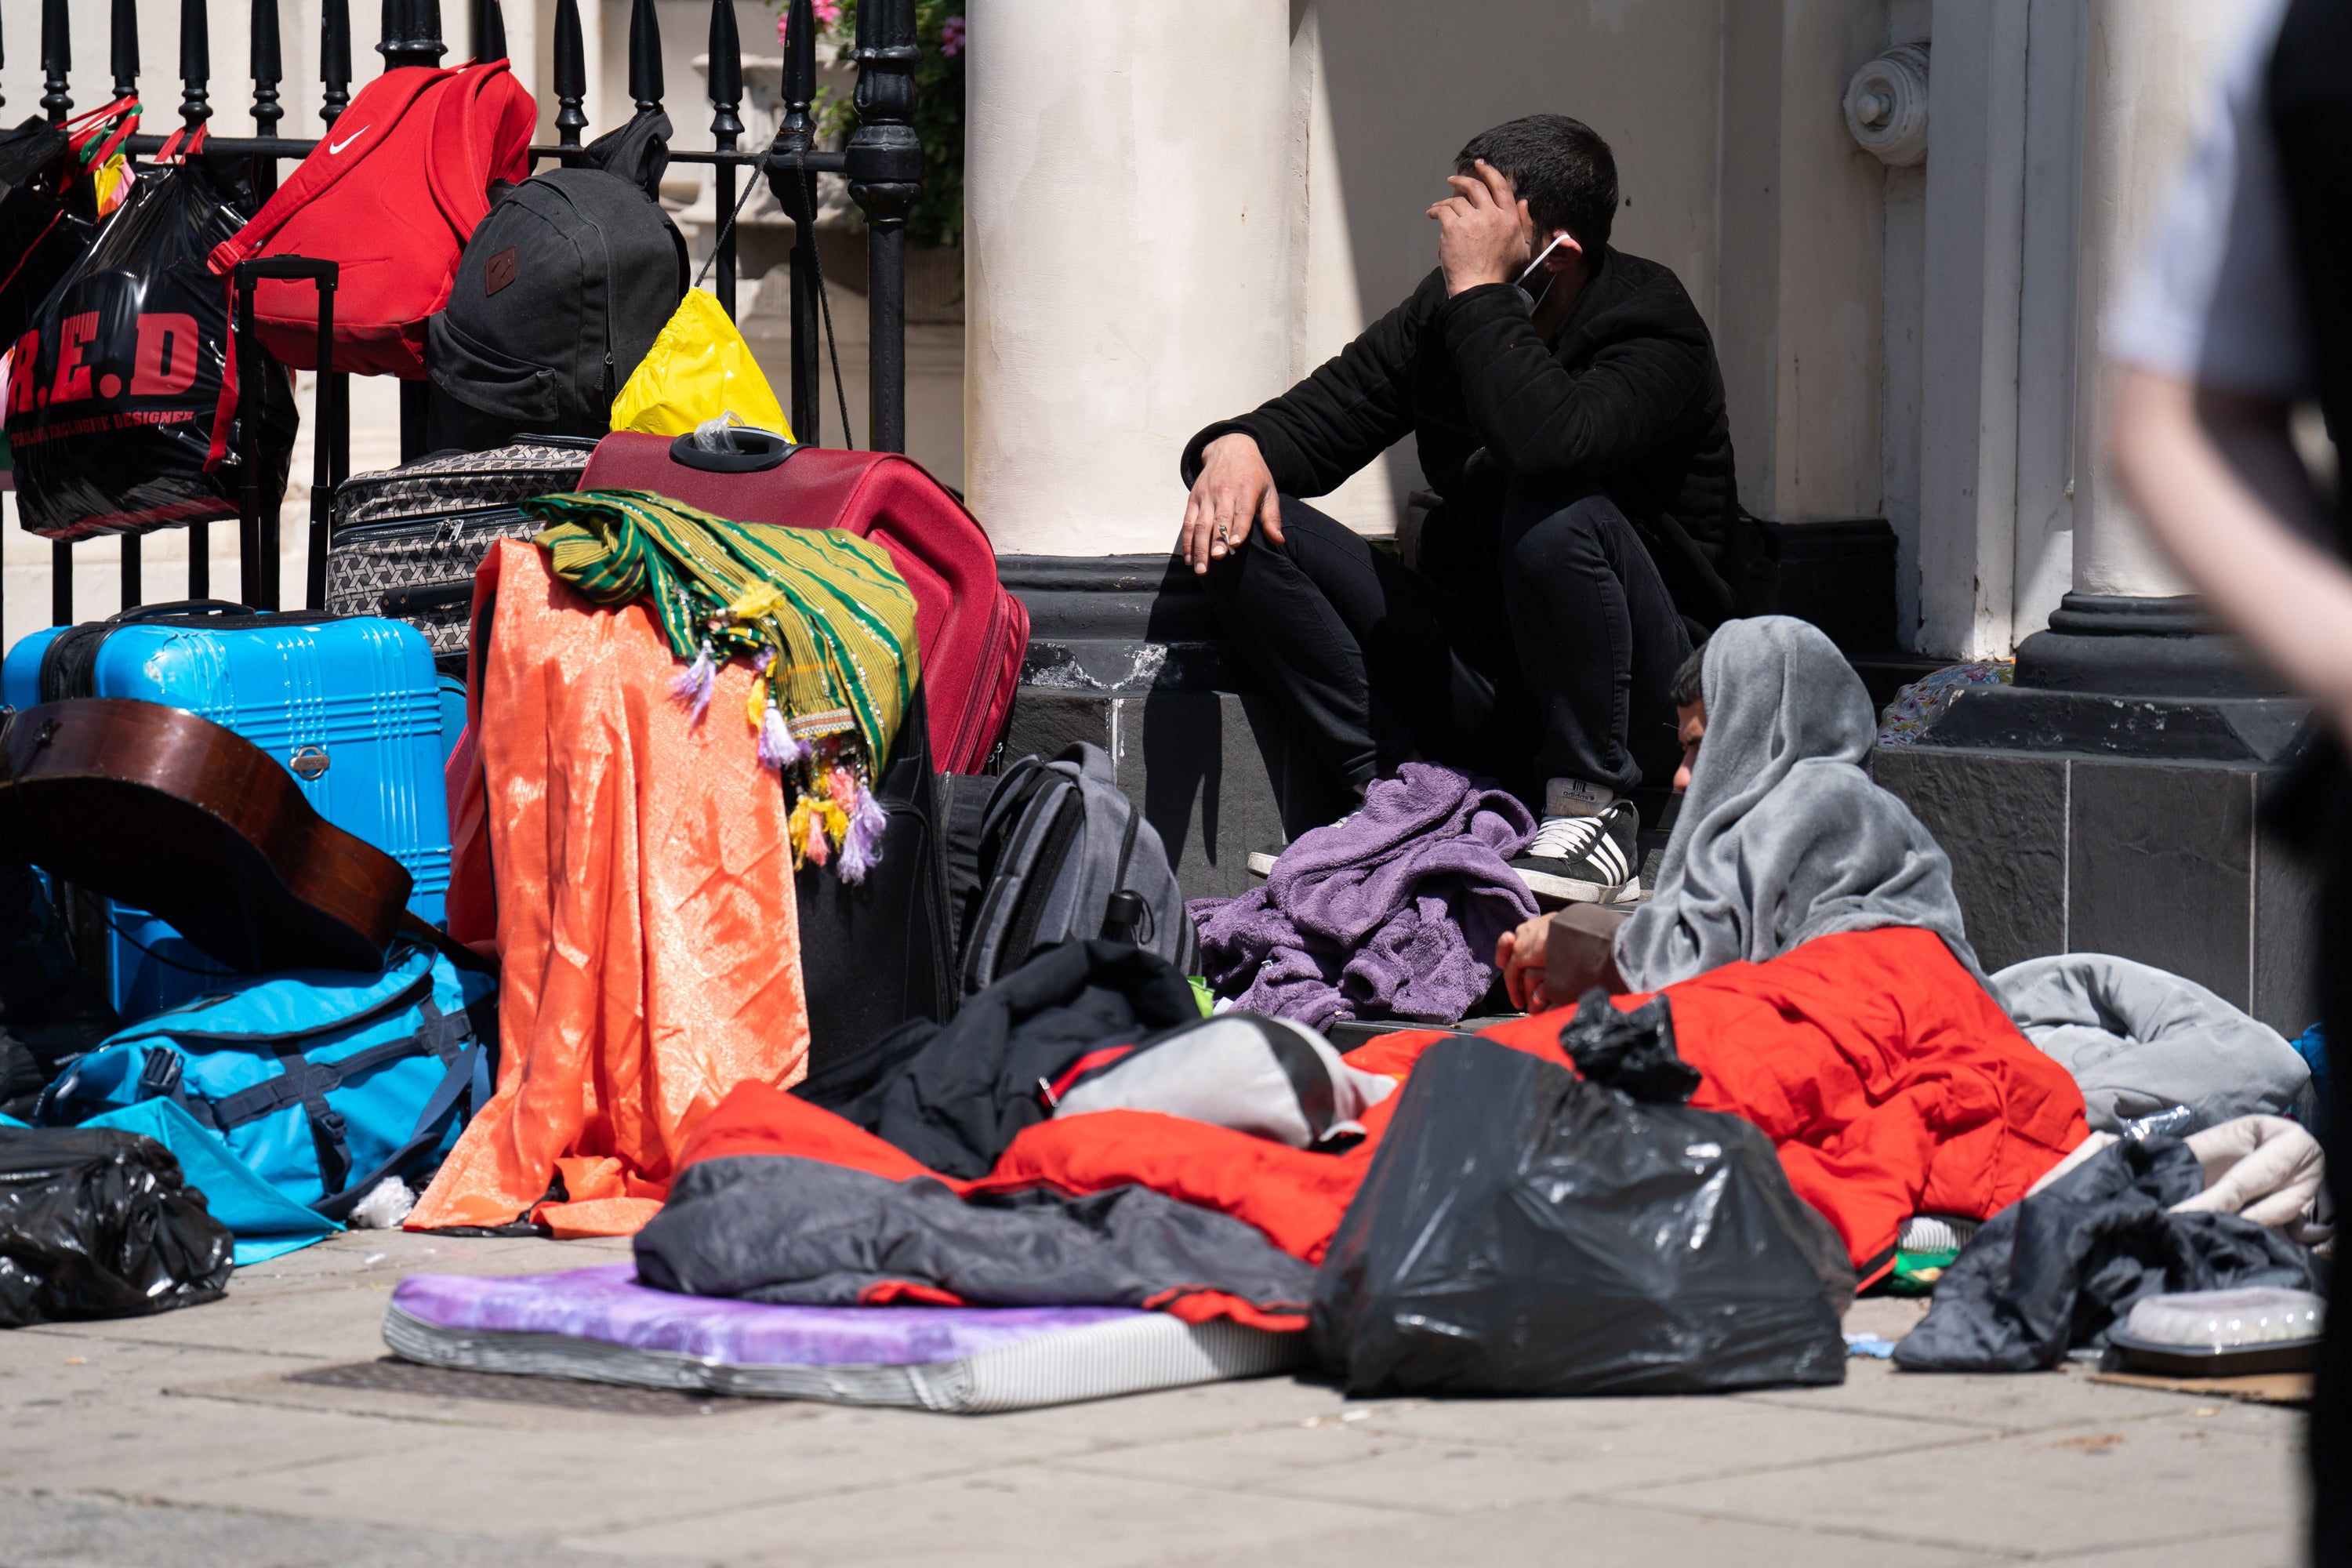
x=1483, y=232
x=1235, y=489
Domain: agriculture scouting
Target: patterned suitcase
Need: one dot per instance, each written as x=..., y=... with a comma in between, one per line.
x=407, y=539
x=350, y=707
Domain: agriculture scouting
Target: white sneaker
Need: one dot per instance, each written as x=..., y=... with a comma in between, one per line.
x=1261, y=861
x=1583, y=855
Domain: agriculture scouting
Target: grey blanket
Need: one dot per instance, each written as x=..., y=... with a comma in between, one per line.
x=1782, y=836
x=2140, y=1040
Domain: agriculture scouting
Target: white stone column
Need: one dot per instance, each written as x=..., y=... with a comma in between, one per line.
x=2151, y=73
x=1128, y=178
x=1797, y=325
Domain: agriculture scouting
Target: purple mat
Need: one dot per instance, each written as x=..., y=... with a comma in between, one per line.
x=607, y=1303
x=600, y=1325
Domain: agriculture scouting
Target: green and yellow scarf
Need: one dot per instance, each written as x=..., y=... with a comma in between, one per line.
x=827, y=620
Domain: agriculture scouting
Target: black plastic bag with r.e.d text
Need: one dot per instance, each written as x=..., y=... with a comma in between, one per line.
x=122, y=398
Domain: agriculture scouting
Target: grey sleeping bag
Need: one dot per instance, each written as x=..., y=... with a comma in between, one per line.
x=2140, y=1039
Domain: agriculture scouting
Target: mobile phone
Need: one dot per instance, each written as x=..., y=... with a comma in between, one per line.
x=1529, y=271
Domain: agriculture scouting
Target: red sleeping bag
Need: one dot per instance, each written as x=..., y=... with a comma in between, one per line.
x=392, y=193
x=1890, y=1082
x=971, y=631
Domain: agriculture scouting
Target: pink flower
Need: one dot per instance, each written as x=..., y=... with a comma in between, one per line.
x=951, y=36
x=828, y=17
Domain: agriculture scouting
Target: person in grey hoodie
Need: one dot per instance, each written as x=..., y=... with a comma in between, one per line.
x=1782, y=836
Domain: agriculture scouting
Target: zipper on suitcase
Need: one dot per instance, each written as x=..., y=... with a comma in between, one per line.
x=976, y=714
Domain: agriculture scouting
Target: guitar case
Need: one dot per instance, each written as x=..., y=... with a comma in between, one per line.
x=348, y=708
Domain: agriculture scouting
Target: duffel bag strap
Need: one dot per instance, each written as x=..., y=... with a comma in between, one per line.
x=308, y=1084
x=291, y=1088
x=162, y=1075
x=469, y=1078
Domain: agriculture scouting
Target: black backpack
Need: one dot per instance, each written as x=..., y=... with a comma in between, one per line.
x=560, y=293
x=882, y=953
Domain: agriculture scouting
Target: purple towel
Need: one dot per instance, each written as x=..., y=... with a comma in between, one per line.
x=1394, y=913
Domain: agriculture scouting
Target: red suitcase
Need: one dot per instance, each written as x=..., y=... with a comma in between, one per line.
x=972, y=632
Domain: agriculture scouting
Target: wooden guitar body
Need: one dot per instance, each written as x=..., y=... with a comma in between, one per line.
x=173, y=814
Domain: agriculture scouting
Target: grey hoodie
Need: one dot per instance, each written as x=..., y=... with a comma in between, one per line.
x=1783, y=837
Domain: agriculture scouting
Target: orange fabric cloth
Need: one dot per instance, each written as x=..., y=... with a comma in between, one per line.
x=645, y=910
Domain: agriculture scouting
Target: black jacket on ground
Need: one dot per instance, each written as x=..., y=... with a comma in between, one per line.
x=1627, y=399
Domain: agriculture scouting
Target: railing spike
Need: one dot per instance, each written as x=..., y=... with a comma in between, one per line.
x=571, y=74
x=412, y=33
x=124, y=56
x=795, y=192
x=489, y=31
x=644, y=57
x=886, y=173
x=195, y=64
x=334, y=58
x=57, y=60
x=269, y=67
x=726, y=128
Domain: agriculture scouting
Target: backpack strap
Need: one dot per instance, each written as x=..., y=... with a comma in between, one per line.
x=375, y=107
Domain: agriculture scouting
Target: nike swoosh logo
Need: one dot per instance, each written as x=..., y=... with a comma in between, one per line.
x=335, y=147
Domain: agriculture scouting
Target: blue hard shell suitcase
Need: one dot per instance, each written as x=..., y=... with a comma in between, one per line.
x=351, y=706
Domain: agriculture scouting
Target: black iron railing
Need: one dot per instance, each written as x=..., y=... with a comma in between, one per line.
x=882, y=162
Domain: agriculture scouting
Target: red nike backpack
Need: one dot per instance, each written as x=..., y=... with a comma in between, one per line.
x=971, y=631
x=392, y=193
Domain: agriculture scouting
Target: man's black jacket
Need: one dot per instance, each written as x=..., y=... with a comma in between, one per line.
x=1628, y=400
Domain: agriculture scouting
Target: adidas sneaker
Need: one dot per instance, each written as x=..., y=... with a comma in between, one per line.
x=1584, y=859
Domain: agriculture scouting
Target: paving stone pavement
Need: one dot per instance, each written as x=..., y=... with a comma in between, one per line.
x=178, y=1440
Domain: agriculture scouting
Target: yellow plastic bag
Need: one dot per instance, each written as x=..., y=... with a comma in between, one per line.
x=699, y=368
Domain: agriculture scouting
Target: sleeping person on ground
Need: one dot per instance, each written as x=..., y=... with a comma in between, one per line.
x=1569, y=414
x=1782, y=836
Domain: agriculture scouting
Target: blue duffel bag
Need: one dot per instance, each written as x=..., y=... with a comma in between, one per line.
x=322, y=1082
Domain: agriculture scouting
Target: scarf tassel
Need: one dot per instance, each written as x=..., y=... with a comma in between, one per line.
x=861, y=847
x=778, y=749
x=694, y=684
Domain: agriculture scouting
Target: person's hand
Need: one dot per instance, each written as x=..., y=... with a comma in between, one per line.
x=1519, y=954
x=1484, y=232
x=1235, y=489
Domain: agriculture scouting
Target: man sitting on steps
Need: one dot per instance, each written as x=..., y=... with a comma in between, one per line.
x=1568, y=410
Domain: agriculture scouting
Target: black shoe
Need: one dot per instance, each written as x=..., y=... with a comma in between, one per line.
x=1584, y=859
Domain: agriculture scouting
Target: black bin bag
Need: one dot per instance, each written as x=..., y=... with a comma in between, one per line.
x=122, y=398
x=98, y=1223
x=1527, y=1231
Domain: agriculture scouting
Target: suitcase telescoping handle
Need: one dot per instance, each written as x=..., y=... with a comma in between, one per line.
x=179, y=607
x=257, y=535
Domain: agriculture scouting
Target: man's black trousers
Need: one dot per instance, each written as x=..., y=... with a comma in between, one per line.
x=1542, y=648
